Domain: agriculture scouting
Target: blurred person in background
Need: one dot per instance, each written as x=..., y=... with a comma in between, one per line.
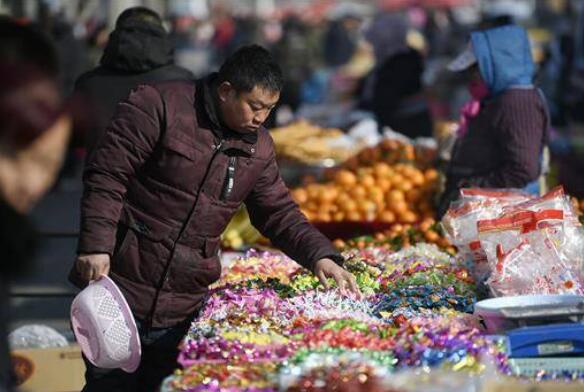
x=340, y=38
x=394, y=91
x=139, y=51
x=503, y=129
x=34, y=132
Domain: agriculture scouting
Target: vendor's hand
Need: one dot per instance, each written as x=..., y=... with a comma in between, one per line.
x=93, y=266
x=326, y=268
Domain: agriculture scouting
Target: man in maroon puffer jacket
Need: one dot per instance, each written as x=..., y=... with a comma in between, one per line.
x=175, y=163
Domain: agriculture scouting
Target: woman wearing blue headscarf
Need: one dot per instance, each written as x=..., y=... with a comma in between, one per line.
x=503, y=129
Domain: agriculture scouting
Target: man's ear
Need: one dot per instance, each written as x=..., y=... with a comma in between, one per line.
x=224, y=91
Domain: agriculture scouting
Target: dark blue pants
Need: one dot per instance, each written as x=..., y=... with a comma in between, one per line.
x=159, y=354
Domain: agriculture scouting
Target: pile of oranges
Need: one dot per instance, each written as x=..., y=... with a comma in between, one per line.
x=398, y=193
x=401, y=236
x=388, y=151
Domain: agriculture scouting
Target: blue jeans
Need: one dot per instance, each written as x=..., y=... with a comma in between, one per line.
x=159, y=354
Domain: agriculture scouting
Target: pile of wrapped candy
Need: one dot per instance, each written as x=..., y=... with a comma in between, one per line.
x=520, y=244
x=269, y=325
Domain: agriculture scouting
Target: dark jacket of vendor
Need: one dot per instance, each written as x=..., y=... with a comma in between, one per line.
x=503, y=145
x=160, y=162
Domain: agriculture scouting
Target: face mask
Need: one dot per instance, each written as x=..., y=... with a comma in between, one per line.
x=478, y=89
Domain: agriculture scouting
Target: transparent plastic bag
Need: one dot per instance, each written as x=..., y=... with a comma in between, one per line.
x=525, y=252
x=36, y=336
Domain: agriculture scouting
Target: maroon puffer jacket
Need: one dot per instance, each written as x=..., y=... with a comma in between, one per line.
x=157, y=196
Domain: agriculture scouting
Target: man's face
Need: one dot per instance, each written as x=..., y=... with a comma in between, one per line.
x=245, y=112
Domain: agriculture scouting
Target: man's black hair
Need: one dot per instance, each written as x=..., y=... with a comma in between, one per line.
x=251, y=66
x=141, y=14
x=25, y=44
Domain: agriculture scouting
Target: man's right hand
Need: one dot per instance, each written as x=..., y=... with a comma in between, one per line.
x=93, y=266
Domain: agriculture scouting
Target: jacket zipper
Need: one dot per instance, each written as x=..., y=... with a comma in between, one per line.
x=229, y=179
x=183, y=228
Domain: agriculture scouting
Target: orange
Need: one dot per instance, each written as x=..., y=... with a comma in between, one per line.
x=407, y=217
x=431, y=236
x=443, y=242
x=367, y=206
x=417, y=178
x=376, y=195
x=358, y=192
x=313, y=191
x=354, y=216
x=425, y=225
x=381, y=170
x=399, y=208
x=328, y=194
x=396, y=180
x=345, y=178
x=409, y=152
x=394, y=196
x=349, y=206
x=311, y=206
x=300, y=195
x=397, y=228
x=339, y=217
x=342, y=198
x=431, y=175
x=405, y=186
x=387, y=217
x=367, y=181
x=384, y=184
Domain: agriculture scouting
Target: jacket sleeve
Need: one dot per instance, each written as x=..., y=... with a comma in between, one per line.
x=275, y=214
x=128, y=142
x=521, y=133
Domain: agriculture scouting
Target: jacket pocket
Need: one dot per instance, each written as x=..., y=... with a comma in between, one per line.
x=144, y=249
x=179, y=147
x=194, y=270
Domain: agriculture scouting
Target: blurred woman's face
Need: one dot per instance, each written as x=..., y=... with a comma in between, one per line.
x=28, y=173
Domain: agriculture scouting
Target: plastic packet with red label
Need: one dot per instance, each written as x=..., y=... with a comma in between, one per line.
x=460, y=222
x=526, y=252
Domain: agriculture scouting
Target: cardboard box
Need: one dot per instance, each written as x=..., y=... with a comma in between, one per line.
x=512, y=385
x=49, y=370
